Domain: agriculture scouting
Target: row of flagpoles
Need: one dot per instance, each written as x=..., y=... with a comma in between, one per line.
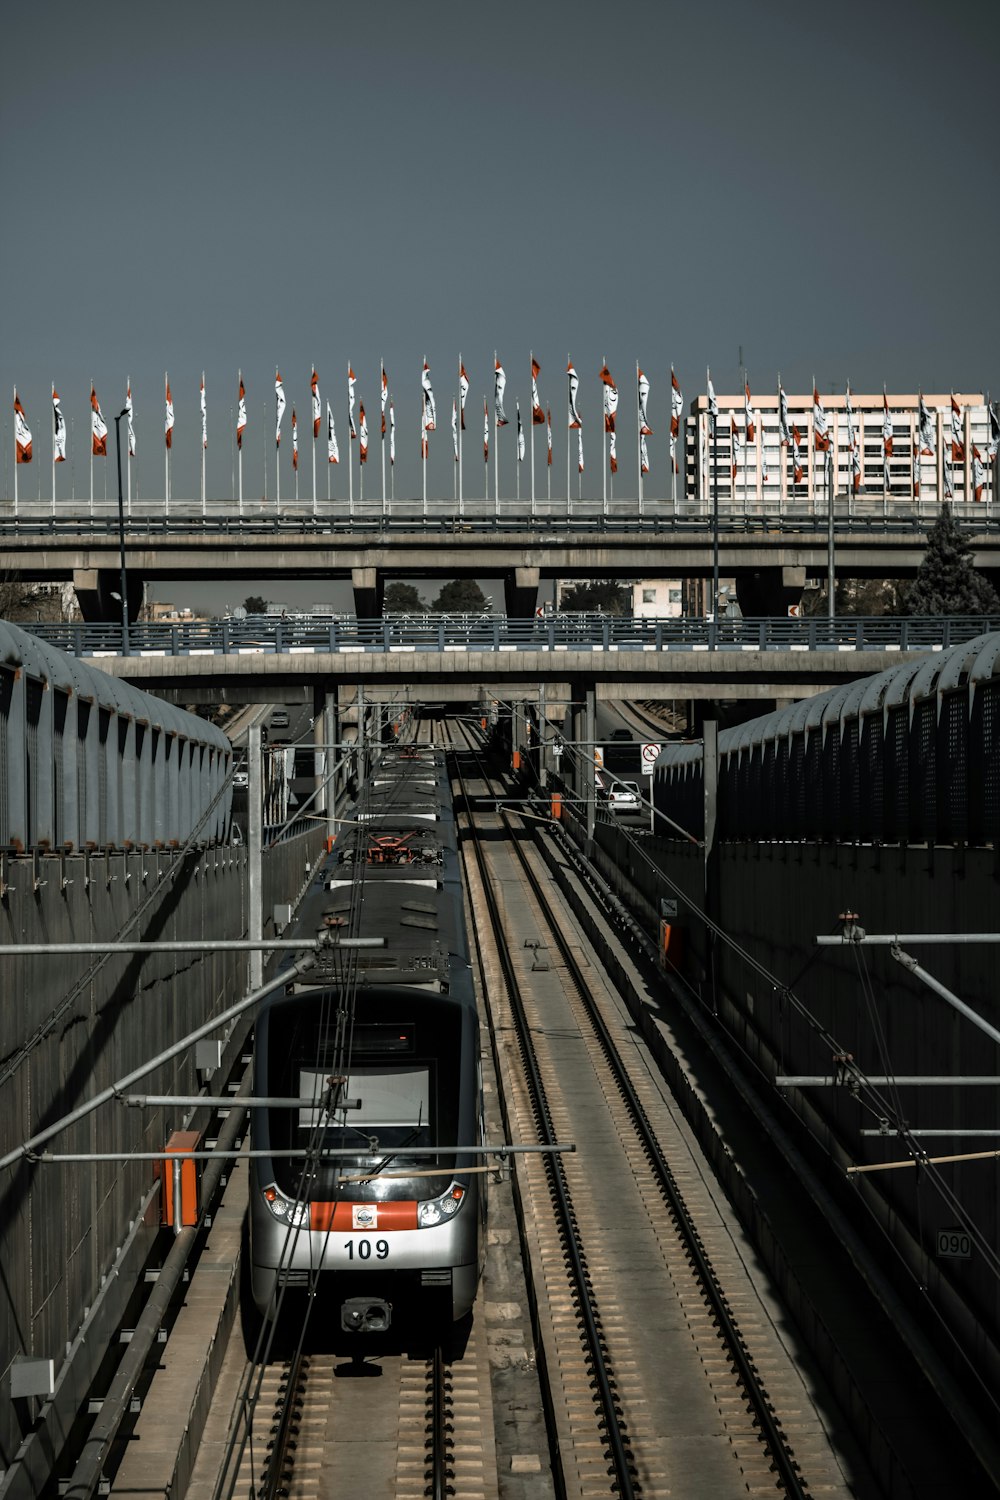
x=791, y=437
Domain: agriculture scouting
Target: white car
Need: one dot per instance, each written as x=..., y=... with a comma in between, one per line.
x=279, y=718
x=624, y=797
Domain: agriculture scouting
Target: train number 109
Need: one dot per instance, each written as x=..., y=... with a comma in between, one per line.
x=363, y=1249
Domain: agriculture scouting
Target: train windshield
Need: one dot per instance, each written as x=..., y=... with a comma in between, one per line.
x=378, y=1090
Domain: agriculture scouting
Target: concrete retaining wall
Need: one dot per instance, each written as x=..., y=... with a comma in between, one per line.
x=61, y=1226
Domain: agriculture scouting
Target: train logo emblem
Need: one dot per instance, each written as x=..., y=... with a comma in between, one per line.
x=364, y=1216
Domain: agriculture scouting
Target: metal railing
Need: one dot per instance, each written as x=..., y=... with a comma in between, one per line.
x=345, y=633
x=852, y=516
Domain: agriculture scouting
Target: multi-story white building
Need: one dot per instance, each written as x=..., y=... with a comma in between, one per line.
x=657, y=599
x=764, y=481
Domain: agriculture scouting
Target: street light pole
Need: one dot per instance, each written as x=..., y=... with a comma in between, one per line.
x=121, y=532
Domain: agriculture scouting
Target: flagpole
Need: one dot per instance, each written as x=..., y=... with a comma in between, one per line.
x=166, y=451
x=350, y=439
x=461, y=422
x=15, y=461
x=486, y=452
x=91, y=452
x=604, y=445
x=715, y=508
x=532, y=435
x=239, y=448
x=496, y=441
x=128, y=458
x=423, y=437
x=637, y=440
x=381, y=395
x=548, y=465
x=314, y=446
x=277, y=453
x=569, y=444
x=53, y=450
x=204, y=445
x=673, y=456
x=517, y=466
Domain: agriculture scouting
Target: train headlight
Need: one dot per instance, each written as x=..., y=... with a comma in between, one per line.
x=284, y=1208
x=435, y=1210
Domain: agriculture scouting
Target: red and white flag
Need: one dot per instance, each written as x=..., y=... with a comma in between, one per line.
x=317, y=405
x=978, y=473
x=168, y=418
x=392, y=432
x=520, y=434
x=676, y=408
x=574, y=385
x=279, y=408
x=737, y=446
x=22, y=432
x=642, y=385
x=241, y=415
x=385, y=396
x=463, y=391
x=486, y=432
x=784, y=432
x=350, y=402
x=764, y=474
x=98, y=428
x=430, y=409
x=332, y=450
x=957, y=439
x=579, y=449
x=713, y=408
x=548, y=434
x=750, y=416
x=454, y=426
x=129, y=413
x=537, y=415
x=499, y=386
x=295, y=440
x=949, y=488
x=925, y=434
x=363, y=433
x=613, y=452
x=643, y=455
x=59, y=432
x=797, y=469
x=993, y=445
x=204, y=412
x=886, y=427
x=610, y=399
x=821, y=433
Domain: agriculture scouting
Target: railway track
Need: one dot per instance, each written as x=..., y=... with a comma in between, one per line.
x=665, y=1368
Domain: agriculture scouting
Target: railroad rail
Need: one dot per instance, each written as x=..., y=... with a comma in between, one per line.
x=637, y=1428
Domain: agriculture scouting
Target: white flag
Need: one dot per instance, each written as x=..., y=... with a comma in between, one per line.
x=713, y=408
x=643, y=385
x=643, y=455
x=22, y=434
x=454, y=426
x=392, y=432
x=463, y=391
x=499, y=386
x=783, y=428
x=430, y=409
x=59, y=435
x=204, y=414
x=317, y=405
x=928, y=447
x=131, y=429
x=279, y=405
x=168, y=421
x=736, y=444
x=574, y=385
x=98, y=428
x=332, y=451
x=613, y=451
x=579, y=449
x=520, y=435
x=350, y=401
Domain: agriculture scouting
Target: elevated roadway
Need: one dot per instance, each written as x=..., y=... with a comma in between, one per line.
x=770, y=556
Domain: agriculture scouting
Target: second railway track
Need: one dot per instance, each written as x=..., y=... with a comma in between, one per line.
x=682, y=1383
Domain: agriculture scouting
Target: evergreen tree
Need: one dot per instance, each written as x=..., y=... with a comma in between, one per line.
x=947, y=582
x=255, y=604
x=609, y=595
x=403, y=598
x=462, y=596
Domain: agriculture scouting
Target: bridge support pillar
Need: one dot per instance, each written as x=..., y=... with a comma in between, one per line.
x=325, y=756
x=94, y=589
x=769, y=591
x=520, y=593
x=369, y=590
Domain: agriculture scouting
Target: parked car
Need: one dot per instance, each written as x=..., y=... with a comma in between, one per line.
x=624, y=797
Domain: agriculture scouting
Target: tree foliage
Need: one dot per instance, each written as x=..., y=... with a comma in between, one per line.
x=947, y=582
x=461, y=596
x=857, y=596
x=607, y=594
x=403, y=598
x=255, y=604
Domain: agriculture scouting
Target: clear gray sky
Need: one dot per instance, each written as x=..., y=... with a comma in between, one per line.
x=243, y=185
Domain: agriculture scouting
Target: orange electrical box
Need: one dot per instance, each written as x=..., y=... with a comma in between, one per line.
x=181, y=1140
x=671, y=945
x=557, y=804
x=517, y=760
x=482, y=723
